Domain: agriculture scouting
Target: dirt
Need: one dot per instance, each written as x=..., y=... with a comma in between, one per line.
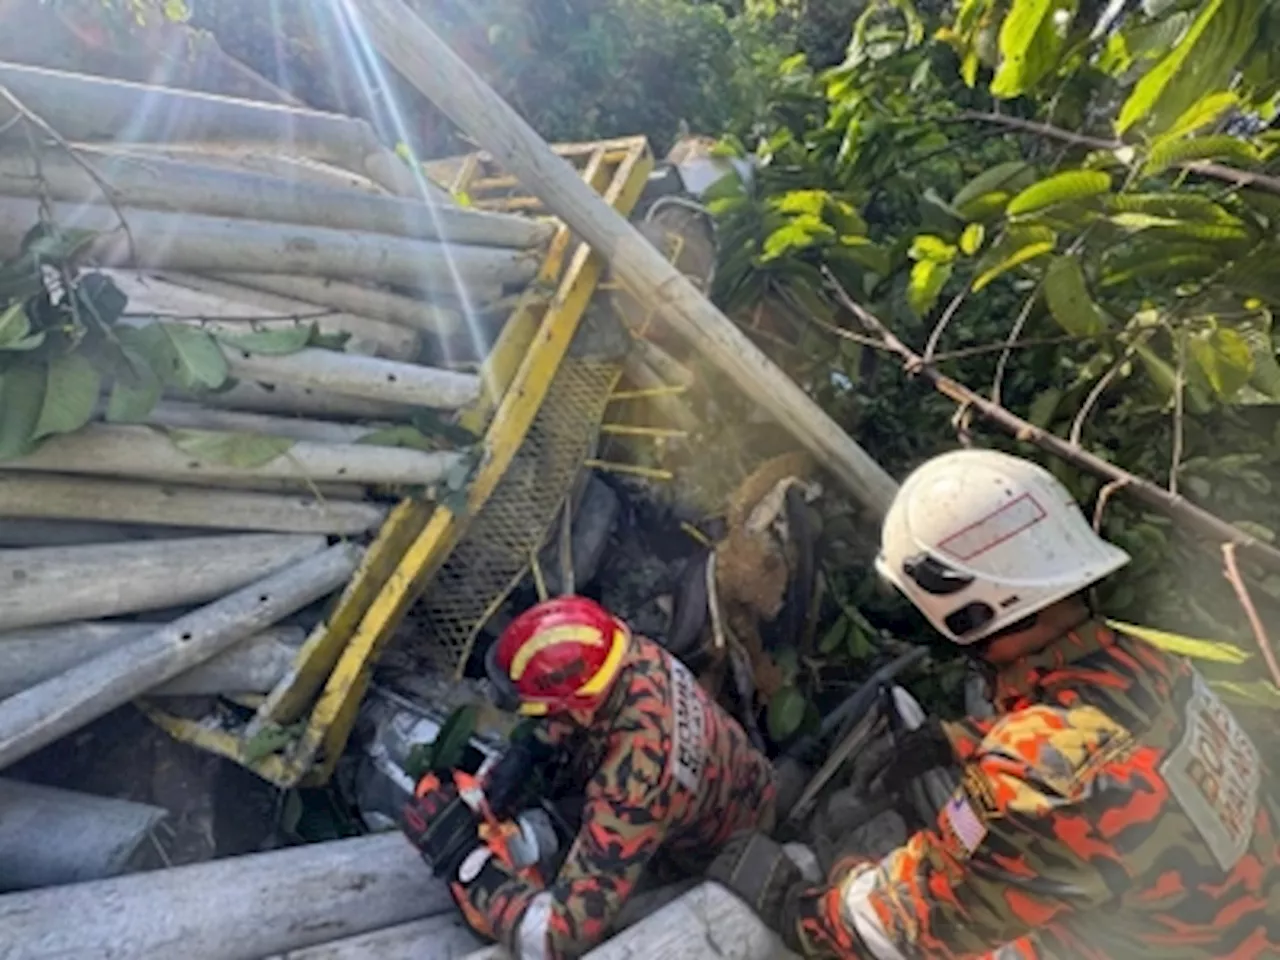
x=216, y=808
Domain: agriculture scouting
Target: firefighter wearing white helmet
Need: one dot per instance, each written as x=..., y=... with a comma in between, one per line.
x=979, y=540
x=1113, y=806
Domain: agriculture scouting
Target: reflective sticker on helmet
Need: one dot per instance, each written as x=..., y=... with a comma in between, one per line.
x=1215, y=774
x=543, y=639
x=689, y=757
x=995, y=528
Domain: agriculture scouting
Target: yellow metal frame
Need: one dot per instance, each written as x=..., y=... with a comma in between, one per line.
x=323, y=691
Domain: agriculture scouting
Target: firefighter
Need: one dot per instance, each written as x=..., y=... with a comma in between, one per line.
x=662, y=767
x=1113, y=806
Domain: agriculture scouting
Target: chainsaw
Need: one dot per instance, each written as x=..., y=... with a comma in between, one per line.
x=526, y=844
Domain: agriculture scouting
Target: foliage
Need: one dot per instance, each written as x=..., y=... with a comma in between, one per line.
x=64, y=338
x=1136, y=289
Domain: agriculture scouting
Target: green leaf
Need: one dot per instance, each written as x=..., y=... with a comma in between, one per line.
x=1266, y=370
x=1200, y=114
x=1060, y=188
x=928, y=247
x=1018, y=246
x=1043, y=407
x=1171, y=153
x=14, y=325
x=135, y=392
x=244, y=450
x=971, y=239
x=401, y=435
x=71, y=390
x=928, y=277
x=786, y=713
x=834, y=637
x=1148, y=90
x=1030, y=43
x=21, y=397
x=988, y=181
x=1225, y=359
x=860, y=645
x=197, y=360
x=1212, y=651
x=451, y=742
x=272, y=738
x=275, y=342
x=1068, y=297
x=1253, y=693
x=800, y=234
x=811, y=202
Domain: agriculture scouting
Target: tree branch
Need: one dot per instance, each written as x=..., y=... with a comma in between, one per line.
x=1195, y=518
x=1208, y=168
x=1255, y=622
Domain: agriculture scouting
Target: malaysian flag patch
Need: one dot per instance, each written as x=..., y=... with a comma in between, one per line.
x=967, y=826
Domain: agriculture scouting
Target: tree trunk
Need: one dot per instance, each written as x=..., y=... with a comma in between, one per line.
x=50, y=837
x=50, y=710
x=168, y=241
x=71, y=498
x=426, y=61
x=239, y=908
x=126, y=451
x=157, y=183
x=58, y=584
x=367, y=302
x=253, y=666
x=82, y=107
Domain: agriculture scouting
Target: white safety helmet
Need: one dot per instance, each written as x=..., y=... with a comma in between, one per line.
x=978, y=540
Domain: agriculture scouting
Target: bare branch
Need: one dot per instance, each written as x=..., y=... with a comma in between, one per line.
x=997, y=382
x=1207, y=168
x=1232, y=573
x=1179, y=405
x=1197, y=519
x=944, y=321
x=1077, y=426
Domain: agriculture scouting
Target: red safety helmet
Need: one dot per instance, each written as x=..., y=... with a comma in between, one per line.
x=562, y=654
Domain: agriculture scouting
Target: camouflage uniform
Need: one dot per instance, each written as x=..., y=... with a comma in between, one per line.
x=664, y=767
x=1112, y=806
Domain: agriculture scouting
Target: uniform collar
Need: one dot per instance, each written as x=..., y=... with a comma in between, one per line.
x=1019, y=681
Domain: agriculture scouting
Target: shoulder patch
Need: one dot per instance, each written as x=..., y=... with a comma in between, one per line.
x=964, y=823
x=1215, y=774
x=689, y=739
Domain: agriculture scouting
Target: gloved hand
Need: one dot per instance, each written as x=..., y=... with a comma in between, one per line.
x=509, y=780
x=759, y=871
x=911, y=755
x=440, y=825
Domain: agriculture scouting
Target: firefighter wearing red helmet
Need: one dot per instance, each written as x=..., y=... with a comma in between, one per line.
x=662, y=766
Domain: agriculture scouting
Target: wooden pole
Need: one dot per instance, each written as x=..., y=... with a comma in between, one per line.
x=72, y=498
x=253, y=666
x=426, y=61
x=200, y=244
x=58, y=584
x=158, y=183
x=124, y=451
x=238, y=908
x=82, y=107
x=367, y=302
x=50, y=710
x=50, y=836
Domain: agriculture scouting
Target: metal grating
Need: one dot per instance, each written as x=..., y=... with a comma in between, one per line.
x=513, y=524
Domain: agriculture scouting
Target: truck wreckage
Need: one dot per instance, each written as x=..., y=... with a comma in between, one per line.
x=293, y=567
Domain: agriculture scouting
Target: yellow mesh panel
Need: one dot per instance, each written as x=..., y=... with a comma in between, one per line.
x=494, y=554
